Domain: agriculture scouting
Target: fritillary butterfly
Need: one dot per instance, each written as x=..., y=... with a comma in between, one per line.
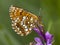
x=22, y=21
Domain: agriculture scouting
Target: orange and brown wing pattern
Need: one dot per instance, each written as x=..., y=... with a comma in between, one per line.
x=22, y=21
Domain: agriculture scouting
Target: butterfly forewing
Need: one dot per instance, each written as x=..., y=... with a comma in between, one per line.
x=22, y=21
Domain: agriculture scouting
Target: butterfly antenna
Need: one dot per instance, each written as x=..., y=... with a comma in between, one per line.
x=39, y=11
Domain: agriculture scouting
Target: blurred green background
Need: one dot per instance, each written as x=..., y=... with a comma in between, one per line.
x=50, y=13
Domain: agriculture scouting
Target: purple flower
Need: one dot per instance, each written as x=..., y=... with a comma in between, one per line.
x=47, y=37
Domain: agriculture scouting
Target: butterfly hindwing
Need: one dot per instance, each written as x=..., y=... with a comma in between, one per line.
x=22, y=21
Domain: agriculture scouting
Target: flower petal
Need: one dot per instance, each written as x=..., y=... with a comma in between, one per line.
x=36, y=30
x=49, y=44
x=49, y=37
x=39, y=42
x=37, y=39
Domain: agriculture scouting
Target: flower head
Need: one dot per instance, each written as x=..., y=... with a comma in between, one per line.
x=46, y=37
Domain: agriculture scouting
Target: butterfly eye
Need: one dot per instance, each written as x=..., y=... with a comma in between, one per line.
x=22, y=21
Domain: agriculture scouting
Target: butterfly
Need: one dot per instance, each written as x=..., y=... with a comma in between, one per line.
x=22, y=21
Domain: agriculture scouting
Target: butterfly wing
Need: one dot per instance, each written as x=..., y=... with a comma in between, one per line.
x=22, y=21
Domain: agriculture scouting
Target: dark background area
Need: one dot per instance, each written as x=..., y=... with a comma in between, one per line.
x=50, y=13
